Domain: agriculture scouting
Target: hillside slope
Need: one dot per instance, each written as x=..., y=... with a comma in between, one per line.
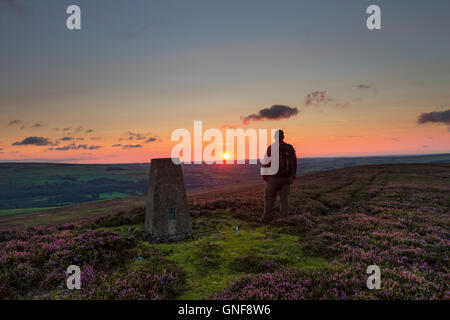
x=342, y=221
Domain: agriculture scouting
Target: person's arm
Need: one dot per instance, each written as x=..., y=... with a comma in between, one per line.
x=294, y=165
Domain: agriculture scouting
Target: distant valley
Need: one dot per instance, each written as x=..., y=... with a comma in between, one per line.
x=26, y=187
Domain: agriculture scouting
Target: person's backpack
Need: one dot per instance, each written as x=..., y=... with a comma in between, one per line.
x=285, y=162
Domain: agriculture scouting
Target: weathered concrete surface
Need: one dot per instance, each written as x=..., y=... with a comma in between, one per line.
x=167, y=212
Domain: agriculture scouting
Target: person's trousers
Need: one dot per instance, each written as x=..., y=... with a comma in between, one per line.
x=275, y=185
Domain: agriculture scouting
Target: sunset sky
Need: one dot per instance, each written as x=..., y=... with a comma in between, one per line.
x=115, y=90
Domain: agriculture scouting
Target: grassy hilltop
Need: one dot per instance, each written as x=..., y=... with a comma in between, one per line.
x=394, y=216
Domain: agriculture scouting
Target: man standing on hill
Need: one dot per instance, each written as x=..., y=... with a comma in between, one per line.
x=282, y=180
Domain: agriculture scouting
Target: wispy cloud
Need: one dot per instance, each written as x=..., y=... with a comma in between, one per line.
x=317, y=98
x=73, y=146
x=342, y=104
x=14, y=122
x=15, y=6
x=365, y=87
x=136, y=136
x=321, y=98
x=37, y=125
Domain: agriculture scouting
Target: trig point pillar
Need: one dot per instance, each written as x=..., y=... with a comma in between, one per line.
x=166, y=212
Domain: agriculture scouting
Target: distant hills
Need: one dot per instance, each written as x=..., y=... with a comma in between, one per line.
x=28, y=187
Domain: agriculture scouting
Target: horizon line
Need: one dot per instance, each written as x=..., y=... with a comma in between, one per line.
x=34, y=161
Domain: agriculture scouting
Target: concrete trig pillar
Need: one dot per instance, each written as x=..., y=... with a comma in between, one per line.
x=167, y=212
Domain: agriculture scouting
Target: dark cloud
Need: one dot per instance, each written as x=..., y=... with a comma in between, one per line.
x=37, y=125
x=65, y=148
x=66, y=139
x=116, y=145
x=15, y=6
x=131, y=146
x=151, y=139
x=275, y=112
x=435, y=117
x=135, y=136
x=317, y=98
x=73, y=146
x=13, y=122
x=364, y=86
x=89, y=131
x=66, y=129
x=36, y=141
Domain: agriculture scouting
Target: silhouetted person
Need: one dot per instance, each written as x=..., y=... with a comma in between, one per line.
x=282, y=180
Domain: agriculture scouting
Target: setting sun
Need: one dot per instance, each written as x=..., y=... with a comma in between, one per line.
x=226, y=156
